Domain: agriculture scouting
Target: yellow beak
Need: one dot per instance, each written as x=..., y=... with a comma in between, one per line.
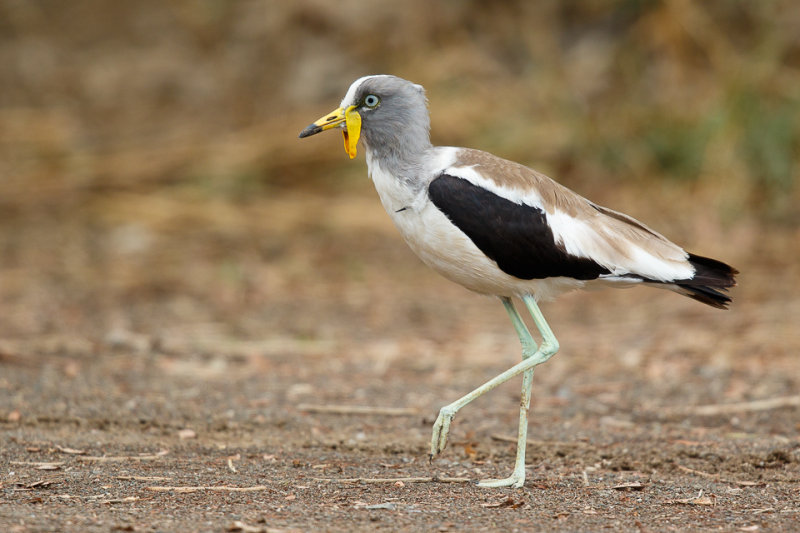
x=348, y=118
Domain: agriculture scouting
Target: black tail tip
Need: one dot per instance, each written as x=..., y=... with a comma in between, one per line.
x=712, y=272
x=707, y=295
x=711, y=279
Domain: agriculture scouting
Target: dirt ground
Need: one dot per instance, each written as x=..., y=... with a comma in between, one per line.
x=175, y=377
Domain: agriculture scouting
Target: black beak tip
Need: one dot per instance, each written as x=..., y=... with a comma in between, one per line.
x=309, y=131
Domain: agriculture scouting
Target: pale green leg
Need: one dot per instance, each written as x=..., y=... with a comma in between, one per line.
x=532, y=357
x=529, y=348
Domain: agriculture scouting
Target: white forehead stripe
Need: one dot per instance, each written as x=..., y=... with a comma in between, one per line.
x=350, y=98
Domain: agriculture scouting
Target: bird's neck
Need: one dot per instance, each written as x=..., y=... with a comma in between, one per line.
x=401, y=154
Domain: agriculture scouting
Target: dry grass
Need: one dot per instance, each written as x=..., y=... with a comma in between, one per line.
x=103, y=98
x=150, y=150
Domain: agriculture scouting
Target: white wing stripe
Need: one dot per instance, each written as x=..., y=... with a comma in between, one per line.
x=620, y=256
x=518, y=196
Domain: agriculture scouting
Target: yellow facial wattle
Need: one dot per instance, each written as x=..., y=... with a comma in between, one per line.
x=349, y=118
x=353, y=132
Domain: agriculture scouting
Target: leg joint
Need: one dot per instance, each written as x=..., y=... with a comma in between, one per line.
x=529, y=349
x=550, y=347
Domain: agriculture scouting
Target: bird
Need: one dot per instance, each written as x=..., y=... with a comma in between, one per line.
x=502, y=229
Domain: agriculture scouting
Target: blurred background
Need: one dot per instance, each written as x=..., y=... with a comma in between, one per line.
x=152, y=182
x=176, y=264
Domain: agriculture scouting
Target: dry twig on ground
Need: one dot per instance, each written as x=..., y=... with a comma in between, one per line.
x=357, y=410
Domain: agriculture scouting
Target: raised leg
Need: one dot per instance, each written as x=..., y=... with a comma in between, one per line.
x=532, y=357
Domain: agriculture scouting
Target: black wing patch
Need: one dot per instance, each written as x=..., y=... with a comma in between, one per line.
x=515, y=236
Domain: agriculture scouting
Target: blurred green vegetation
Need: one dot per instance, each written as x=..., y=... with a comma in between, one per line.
x=205, y=97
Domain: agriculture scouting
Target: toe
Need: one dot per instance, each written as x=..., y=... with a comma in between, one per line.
x=512, y=481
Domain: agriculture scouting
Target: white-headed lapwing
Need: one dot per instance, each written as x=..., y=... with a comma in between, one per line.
x=499, y=228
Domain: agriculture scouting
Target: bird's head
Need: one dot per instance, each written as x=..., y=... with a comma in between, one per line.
x=380, y=108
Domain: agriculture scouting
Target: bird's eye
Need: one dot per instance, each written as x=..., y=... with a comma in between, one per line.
x=371, y=100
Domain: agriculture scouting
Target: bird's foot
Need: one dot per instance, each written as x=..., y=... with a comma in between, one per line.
x=516, y=480
x=441, y=429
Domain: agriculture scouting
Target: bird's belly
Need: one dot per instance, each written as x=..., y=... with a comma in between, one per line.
x=451, y=253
